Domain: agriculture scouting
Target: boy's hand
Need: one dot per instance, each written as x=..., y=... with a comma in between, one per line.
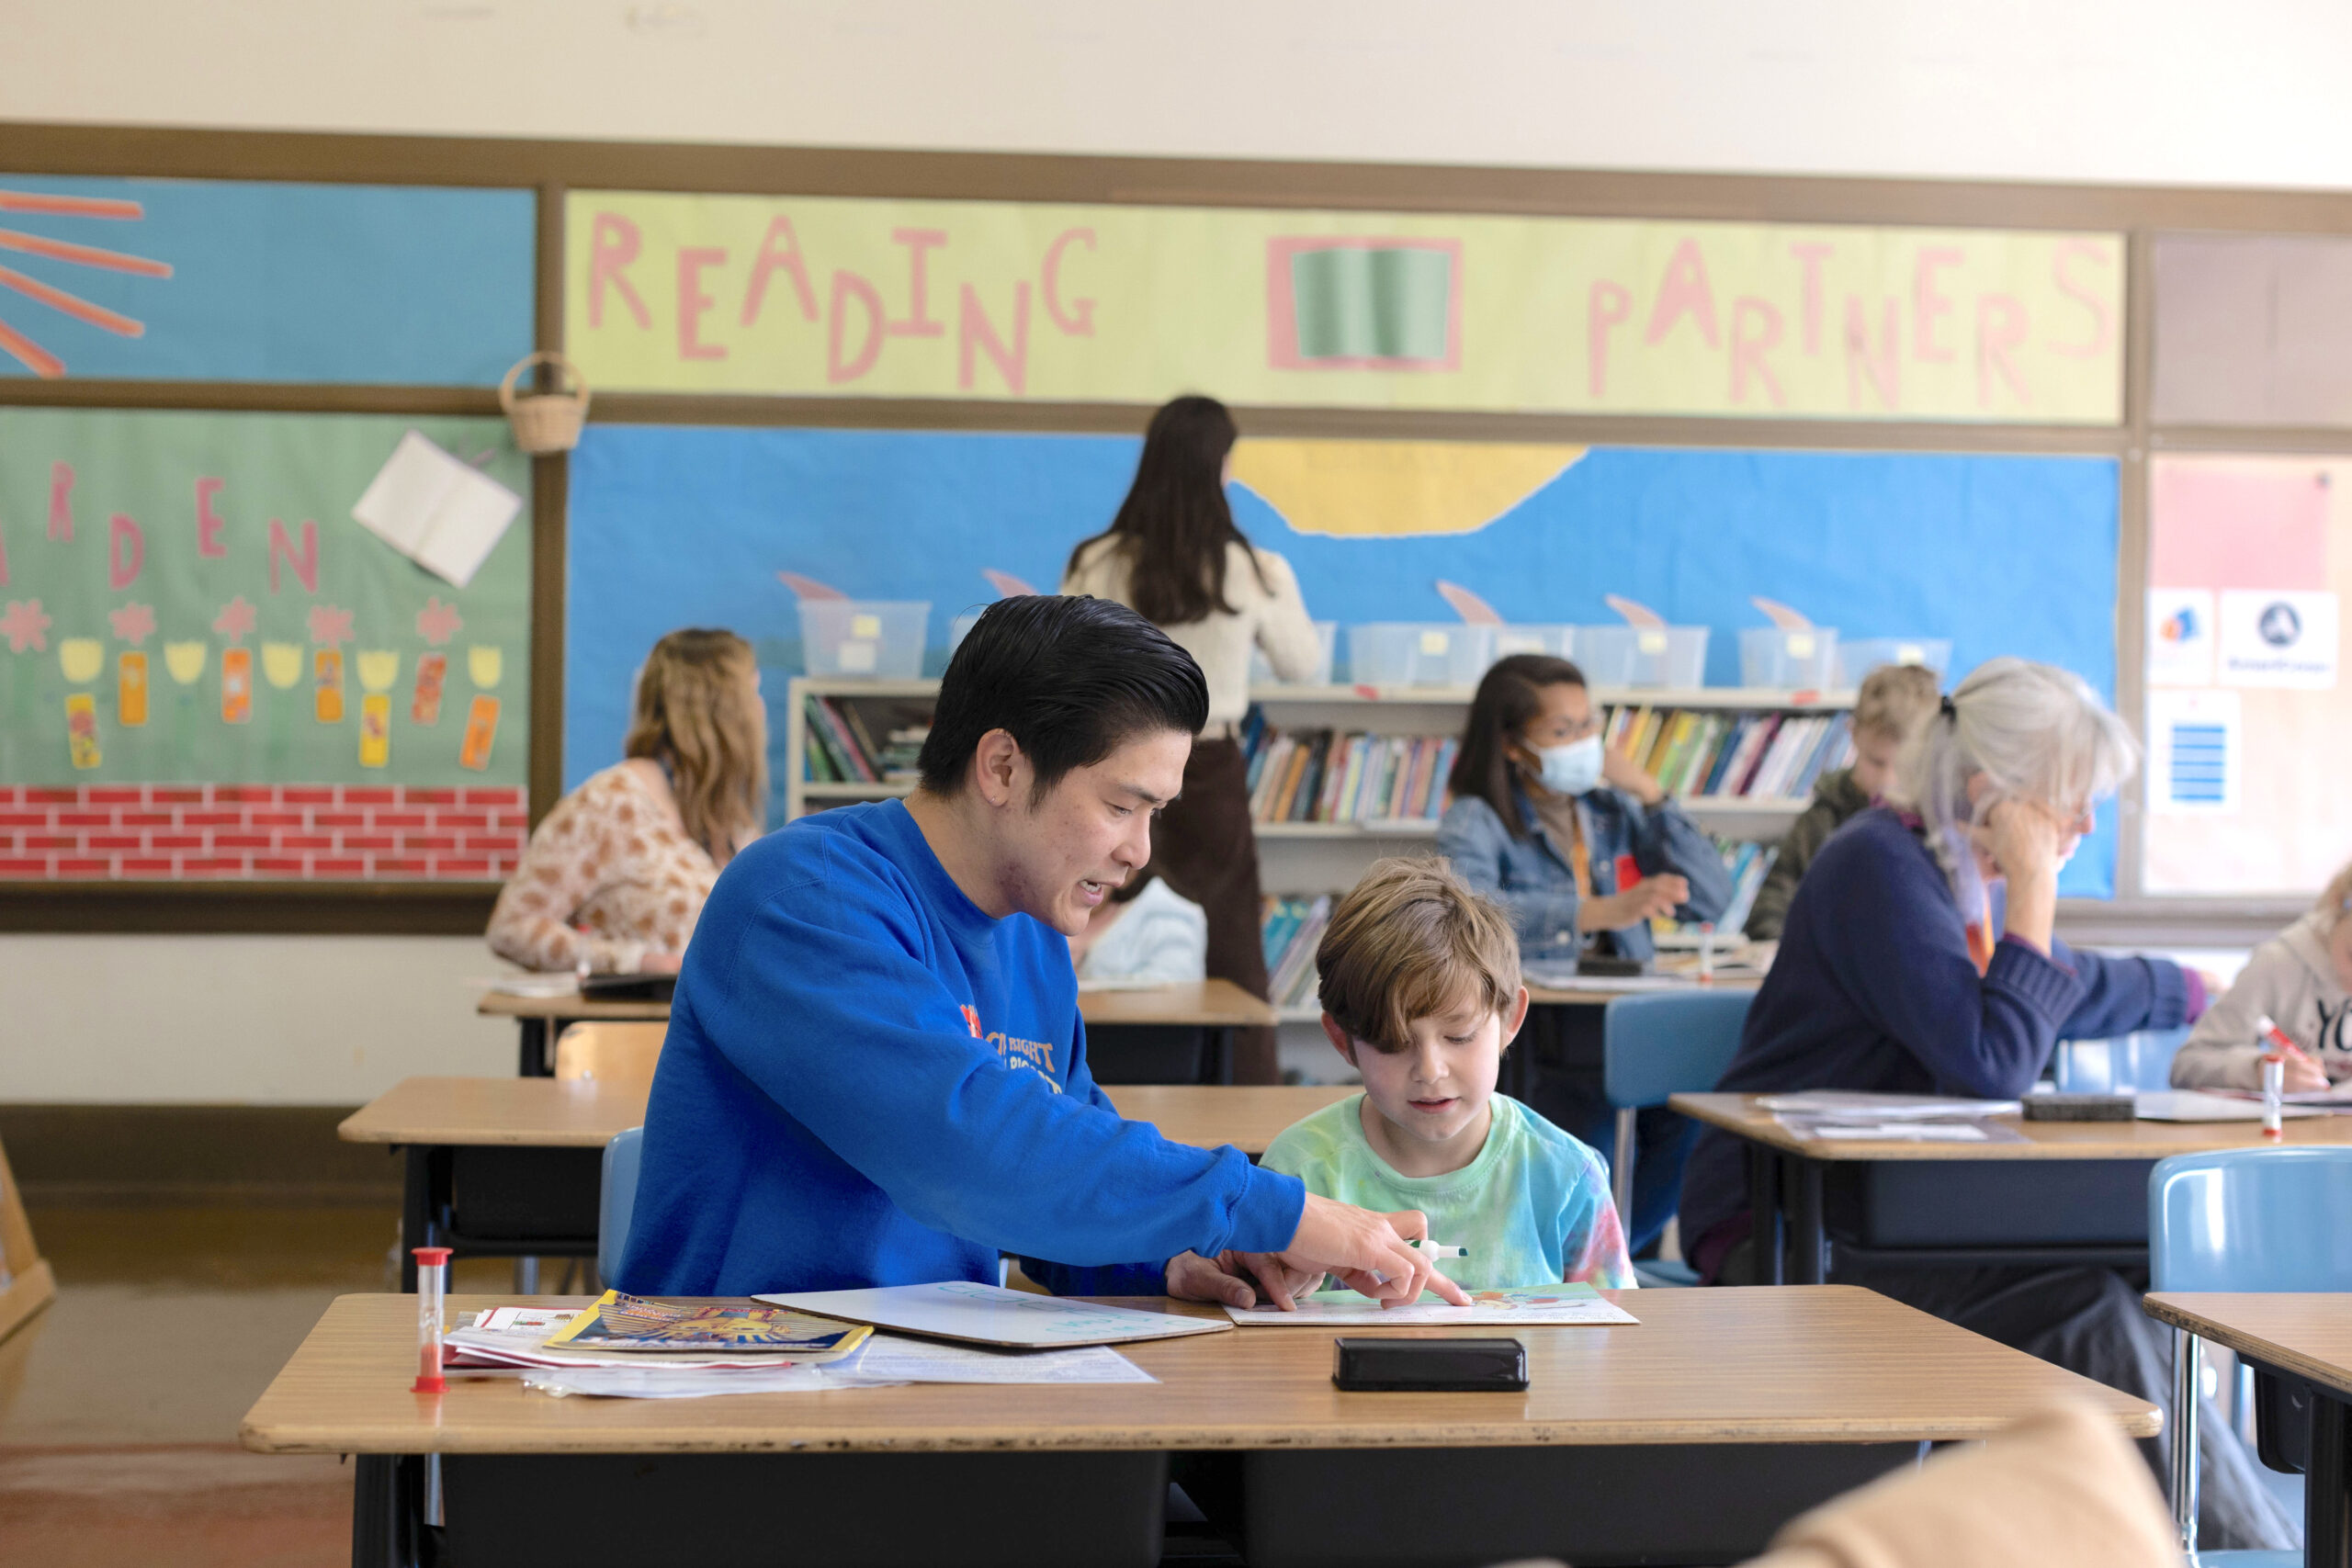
x=1367, y=1251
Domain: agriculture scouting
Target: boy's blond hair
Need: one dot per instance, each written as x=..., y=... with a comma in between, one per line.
x=2335, y=899
x=1894, y=699
x=1410, y=941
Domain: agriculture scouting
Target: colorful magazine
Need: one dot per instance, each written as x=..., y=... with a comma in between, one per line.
x=633, y=1322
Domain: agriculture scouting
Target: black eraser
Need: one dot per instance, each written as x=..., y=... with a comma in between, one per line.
x=2078, y=1107
x=1486, y=1364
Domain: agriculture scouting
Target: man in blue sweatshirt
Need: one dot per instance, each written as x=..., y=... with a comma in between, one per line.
x=875, y=1072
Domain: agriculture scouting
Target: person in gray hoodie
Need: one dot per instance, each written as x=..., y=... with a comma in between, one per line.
x=2302, y=980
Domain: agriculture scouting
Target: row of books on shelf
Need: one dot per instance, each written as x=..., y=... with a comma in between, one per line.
x=1322, y=775
x=1292, y=928
x=1766, y=756
x=842, y=749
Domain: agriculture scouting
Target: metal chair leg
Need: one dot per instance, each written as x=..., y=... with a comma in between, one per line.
x=2188, y=1389
x=1621, y=1169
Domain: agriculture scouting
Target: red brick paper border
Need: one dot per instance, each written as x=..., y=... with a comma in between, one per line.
x=260, y=832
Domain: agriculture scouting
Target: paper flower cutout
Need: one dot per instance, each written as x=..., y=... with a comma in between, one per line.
x=330, y=626
x=25, y=627
x=437, y=623
x=134, y=624
x=237, y=619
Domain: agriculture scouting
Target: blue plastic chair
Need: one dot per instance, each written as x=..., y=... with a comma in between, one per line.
x=2125, y=1064
x=619, y=1200
x=1654, y=1046
x=2241, y=1220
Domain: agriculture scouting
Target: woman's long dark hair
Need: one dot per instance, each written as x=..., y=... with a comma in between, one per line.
x=1175, y=524
x=1508, y=699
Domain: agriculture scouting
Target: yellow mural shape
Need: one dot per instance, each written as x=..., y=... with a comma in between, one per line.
x=185, y=661
x=281, y=663
x=81, y=658
x=379, y=668
x=485, y=665
x=1390, y=488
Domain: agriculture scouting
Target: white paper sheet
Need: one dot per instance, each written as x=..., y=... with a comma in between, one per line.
x=2190, y=1105
x=438, y=511
x=1523, y=1306
x=924, y=1360
x=655, y=1383
x=990, y=1315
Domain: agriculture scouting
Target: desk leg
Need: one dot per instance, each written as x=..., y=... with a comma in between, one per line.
x=1812, y=1242
x=533, y=1062
x=2327, y=1485
x=1764, y=1213
x=387, y=1530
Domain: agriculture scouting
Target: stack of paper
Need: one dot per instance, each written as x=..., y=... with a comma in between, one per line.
x=1850, y=1115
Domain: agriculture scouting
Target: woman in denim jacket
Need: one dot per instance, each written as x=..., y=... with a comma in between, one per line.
x=1543, y=817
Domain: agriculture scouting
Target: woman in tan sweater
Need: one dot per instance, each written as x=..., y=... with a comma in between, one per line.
x=1173, y=554
x=615, y=877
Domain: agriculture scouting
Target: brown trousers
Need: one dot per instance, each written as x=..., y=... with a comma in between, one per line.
x=1204, y=847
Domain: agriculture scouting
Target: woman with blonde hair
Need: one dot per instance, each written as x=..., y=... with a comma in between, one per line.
x=615, y=875
x=1919, y=958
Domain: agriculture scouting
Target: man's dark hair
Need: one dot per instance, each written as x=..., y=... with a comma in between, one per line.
x=1071, y=679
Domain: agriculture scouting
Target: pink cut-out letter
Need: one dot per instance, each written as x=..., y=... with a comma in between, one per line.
x=1606, y=309
x=1078, y=319
x=126, y=551
x=848, y=286
x=305, y=565
x=61, y=502
x=1684, y=288
x=972, y=329
x=2000, y=327
x=918, y=322
x=1810, y=255
x=2102, y=319
x=1749, y=347
x=771, y=260
x=1927, y=304
x=693, y=302
x=208, y=522
x=613, y=242
x=1883, y=365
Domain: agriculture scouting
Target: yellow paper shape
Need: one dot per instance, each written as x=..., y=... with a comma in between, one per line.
x=485, y=665
x=375, y=729
x=281, y=663
x=81, y=658
x=1389, y=489
x=185, y=661
x=130, y=688
x=379, y=668
x=81, y=729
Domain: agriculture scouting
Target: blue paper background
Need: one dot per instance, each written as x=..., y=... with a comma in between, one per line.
x=370, y=284
x=674, y=526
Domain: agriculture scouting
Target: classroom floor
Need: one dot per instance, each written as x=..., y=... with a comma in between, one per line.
x=119, y=1402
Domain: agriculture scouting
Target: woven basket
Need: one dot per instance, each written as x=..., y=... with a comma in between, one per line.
x=545, y=421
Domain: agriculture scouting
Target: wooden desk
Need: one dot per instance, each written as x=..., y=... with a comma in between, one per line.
x=1627, y=1439
x=1210, y=1010
x=2307, y=1339
x=2069, y=1192
x=514, y=1167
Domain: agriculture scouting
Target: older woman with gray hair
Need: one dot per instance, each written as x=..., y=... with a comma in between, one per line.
x=1919, y=957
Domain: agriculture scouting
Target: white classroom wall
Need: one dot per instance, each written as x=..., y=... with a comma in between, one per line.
x=2123, y=91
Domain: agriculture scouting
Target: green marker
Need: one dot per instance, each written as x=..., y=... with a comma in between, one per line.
x=1438, y=1249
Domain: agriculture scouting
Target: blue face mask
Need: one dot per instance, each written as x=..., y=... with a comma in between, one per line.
x=1573, y=769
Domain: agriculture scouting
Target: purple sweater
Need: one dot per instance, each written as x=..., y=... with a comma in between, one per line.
x=1873, y=989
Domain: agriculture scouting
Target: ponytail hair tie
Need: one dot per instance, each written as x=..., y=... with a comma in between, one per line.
x=1948, y=709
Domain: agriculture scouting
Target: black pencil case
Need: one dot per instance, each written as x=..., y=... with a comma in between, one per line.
x=1485, y=1364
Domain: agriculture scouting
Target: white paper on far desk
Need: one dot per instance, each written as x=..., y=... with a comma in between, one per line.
x=1902, y=1132
x=1564, y=977
x=1518, y=1307
x=438, y=511
x=1857, y=1105
x=991, y=1315
x=2190, y=1105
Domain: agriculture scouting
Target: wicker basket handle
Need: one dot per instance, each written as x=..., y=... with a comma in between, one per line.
x=565, y=368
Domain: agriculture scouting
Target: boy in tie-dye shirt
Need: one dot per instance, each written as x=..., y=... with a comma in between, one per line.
x=1420, y=991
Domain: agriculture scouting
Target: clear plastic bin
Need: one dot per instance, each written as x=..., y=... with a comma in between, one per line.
x=1801, y=660
x=959, y=628
x=864, y=636
x=1557, y=641
x=1416, y=653
x=1864, y=654
x=1643, y=656
x=1262, y=673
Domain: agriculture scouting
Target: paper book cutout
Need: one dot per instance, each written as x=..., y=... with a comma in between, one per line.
x=440, y=513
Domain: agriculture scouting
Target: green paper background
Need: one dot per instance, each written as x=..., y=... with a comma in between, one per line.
x=293, y=467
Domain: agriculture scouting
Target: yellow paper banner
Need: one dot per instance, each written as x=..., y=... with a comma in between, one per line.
x=834, y=297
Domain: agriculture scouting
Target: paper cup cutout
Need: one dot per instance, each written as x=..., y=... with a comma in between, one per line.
x=185, y=661
x=281, y=664
x=81, y=658
x=485, y=665
x=378, y=669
